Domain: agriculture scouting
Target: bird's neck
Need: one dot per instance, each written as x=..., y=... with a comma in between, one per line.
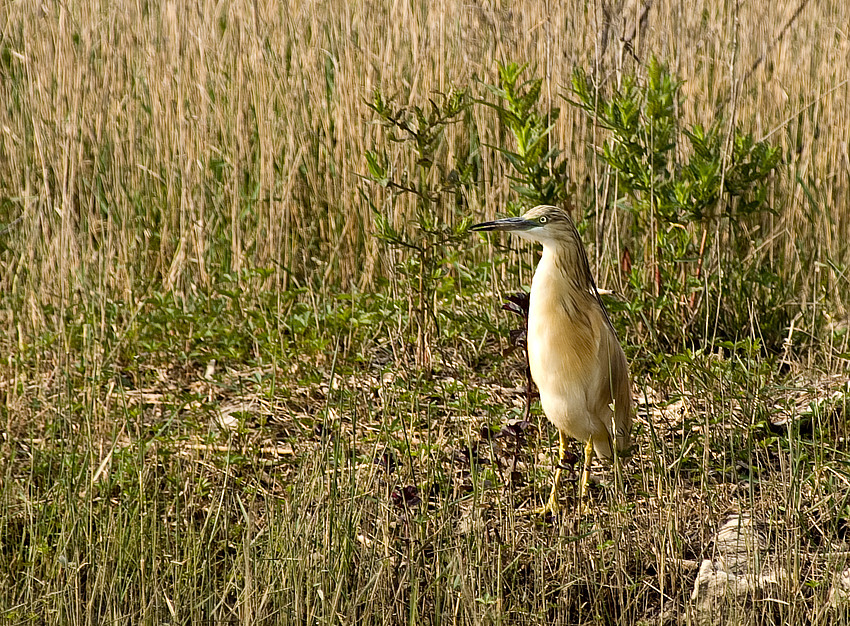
x=562, y=283
x=569, y=263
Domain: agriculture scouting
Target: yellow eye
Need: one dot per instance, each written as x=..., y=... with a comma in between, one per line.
x=542, y=219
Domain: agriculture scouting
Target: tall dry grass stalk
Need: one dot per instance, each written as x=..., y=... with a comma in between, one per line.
x=156, y=145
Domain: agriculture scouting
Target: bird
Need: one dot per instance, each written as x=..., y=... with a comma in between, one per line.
x=576, y=360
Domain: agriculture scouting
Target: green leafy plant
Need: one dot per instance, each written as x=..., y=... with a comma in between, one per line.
x=540, y=173
x=696, y=196
x=428, y=184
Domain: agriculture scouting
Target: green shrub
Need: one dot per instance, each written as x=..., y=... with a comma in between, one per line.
x=428, y=183
x=697, y=199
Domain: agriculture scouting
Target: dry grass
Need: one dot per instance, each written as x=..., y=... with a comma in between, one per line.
x=153, y=156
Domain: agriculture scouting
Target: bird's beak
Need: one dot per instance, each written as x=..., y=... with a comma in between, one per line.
x=506, y=224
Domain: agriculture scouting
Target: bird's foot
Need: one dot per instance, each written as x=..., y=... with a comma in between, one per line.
x=550, y=508
x=553, y=508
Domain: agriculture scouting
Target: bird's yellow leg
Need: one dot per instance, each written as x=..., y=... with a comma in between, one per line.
x=585, y=475
x=552, y=505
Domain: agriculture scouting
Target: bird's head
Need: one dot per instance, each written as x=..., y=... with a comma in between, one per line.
x=545, y=224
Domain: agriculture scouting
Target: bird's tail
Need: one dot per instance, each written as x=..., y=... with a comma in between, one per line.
x=603, y=448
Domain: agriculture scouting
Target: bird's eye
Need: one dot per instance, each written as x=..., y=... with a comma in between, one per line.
x=542, y=219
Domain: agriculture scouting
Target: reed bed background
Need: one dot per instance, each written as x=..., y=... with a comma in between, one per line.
x=152, y=144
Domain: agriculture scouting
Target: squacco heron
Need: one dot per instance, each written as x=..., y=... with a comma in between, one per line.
x=576, y=360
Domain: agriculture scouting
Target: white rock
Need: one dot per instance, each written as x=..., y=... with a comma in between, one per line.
x=743, y=569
